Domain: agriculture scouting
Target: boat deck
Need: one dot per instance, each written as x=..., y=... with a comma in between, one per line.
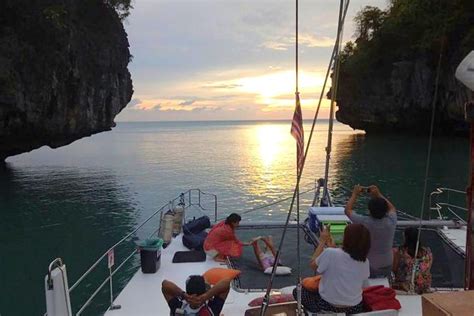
x=456, y=236
x=142, y=295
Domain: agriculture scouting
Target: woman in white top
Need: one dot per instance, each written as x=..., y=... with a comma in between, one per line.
x=343, y=272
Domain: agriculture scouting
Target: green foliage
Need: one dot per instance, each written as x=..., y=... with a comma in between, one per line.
x=407, y=30
x=56, y=14
x=368, y=21
x=122, y=7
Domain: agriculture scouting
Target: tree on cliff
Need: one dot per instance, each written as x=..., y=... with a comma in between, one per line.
x=368, y=21
x=122, y=7
x=387, y=73
x=412, y=27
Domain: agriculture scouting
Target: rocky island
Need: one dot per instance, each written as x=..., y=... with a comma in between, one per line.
x=63, y=71
x=387, y=75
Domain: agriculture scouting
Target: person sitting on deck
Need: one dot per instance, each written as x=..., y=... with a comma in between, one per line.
x=221, y=242
x=343, y=272
x=381, y=223
x=404, y=261
x=198, y=299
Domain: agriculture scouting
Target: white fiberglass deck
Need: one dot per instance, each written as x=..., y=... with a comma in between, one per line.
x=142, y=295
x=456, y=236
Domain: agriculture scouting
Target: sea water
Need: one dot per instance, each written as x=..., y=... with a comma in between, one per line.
x=76, y=201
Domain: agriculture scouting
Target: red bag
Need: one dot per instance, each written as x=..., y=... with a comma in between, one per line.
x=379, y=297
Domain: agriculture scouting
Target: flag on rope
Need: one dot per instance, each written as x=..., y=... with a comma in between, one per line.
x=297, y=132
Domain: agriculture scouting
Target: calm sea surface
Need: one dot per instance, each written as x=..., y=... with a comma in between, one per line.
x=75, y=202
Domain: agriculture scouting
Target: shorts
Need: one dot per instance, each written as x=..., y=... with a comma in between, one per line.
x=215, y=305
x=267, y=262
x=211, y=253
x=314, y=303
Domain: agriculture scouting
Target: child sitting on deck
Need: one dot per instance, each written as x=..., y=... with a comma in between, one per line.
x=266, y=258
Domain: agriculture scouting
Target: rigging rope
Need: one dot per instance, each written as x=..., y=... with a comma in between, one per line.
x=265, y=302
x=428, y=160
x=333, y=101
x=271, y=204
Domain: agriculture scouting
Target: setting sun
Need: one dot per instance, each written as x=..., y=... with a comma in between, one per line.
x=279, y=84
x=276, y=89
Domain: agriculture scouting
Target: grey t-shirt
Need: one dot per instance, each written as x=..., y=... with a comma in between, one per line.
x=382, y=232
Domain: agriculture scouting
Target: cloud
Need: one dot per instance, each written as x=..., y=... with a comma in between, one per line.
x=304, y=39
x=195, y=109
x=175, y=105
x=223, y=86
x=310, y=40
x=146, y=105
x=188, y=102
x=134, y=102
x=212, y=57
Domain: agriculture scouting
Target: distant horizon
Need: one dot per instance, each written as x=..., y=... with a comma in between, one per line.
x=217, y=120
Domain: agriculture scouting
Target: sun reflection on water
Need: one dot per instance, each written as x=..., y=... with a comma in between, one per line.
x=269, y=154
x=272, y=141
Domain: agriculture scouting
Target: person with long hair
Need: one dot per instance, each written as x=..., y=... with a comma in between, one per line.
x=404, y=262
x=221, y=242
x=343, y=272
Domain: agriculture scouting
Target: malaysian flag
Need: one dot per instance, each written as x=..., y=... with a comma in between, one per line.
x=298, y=133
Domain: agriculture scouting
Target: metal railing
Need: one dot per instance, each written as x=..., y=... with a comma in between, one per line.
x=194, y=198
x=441, y=204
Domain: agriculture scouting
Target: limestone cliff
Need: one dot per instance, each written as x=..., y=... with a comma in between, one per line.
x=63, y=72
x=401, y=100
x=387, y=77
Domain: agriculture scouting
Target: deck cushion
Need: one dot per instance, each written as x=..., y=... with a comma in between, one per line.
x=274, y=299
x=214, y=275
x=311, y=283
x=280, y=270
x=189, y=256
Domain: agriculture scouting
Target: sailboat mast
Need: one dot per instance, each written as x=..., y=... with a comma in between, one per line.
x=465, y=74
x=298, y=169
x=335, y=80
x=469, y=262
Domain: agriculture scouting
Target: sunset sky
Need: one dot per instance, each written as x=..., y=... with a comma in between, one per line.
x=229, y=59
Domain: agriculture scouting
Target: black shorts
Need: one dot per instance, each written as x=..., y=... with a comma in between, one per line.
x=215, y=305
x=314, y=303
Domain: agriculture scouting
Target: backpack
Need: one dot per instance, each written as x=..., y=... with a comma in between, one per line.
x=194, y=241
x=196, y=226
